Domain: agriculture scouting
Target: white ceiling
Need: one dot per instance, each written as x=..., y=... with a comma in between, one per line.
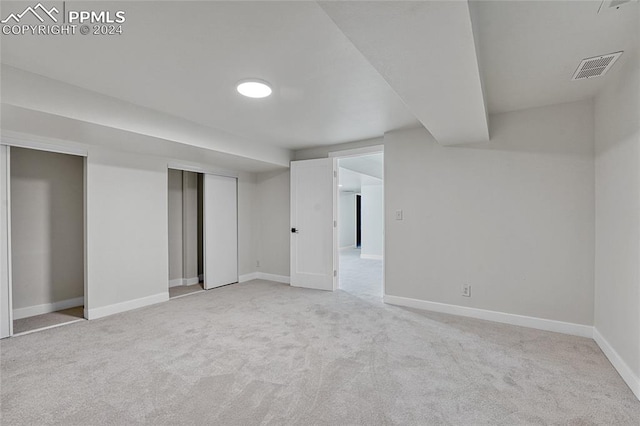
x=185, y=59
x=351, y=181
x=426, y=51
x=370, y=164
x=340, y=72
x=529, y=50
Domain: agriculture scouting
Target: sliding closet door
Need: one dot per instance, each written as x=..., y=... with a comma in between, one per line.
x=220, y=231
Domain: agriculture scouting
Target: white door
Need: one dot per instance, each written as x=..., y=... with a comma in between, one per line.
x=220, y=231
x=6, y=317
x=313, y=224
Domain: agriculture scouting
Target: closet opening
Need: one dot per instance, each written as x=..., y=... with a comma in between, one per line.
x=47, y=240
x=203, y=231
x=186, y=269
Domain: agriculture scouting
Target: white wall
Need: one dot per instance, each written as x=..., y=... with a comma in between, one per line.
x=347, y=219
x=47, y=227
x=175, y=225
x=273, y=222
x=617, y=164
x=127, y=238
x=247, y=232
x=513, y=218
x=372, y=209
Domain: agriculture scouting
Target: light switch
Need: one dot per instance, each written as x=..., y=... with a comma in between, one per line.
x=398, y=214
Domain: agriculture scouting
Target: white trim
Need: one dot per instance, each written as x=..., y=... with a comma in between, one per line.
x=618, y=363
x=46, y=308
x=199, y=168
x=183, y=281
x=23, y=140
x=191, y=281
x=371, y=256
x=48, y=327
x=126, y=306
x=186, y=294
x=175, y=283
x=352, y=246
x=502, y=317
x=248, y=277
x=357, y=151
x=272, y=277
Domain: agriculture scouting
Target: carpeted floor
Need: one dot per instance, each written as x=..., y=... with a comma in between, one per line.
x=266, y=353
x=48, y=320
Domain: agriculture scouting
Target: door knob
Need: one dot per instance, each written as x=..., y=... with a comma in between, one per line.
x=294, y=230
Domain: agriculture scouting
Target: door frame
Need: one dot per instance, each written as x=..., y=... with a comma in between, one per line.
x=357, y=152
x=38, y=143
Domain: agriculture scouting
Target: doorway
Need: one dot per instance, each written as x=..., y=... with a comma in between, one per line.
x=185, y=232
x=46, y=193
x=361, y=224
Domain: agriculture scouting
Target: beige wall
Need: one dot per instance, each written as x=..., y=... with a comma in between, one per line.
x=47, y=227
x=273, y=225
x=617, y=274
x=372, y=216
x=190, y=225
x=247, y=231
x=513, y=218
x=347, y=219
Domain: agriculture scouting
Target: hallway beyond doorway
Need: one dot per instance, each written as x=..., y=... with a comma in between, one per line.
x=361, y=277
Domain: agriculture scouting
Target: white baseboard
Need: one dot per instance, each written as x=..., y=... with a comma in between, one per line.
x=184, y=281
x=371, y=256
x=126, y=306
x=352, y=246
x=248, y=277
x=191, y=281
x=513, y=319
x=272, y=277
x=175, y=283
x=46, y=308
x=618, y=363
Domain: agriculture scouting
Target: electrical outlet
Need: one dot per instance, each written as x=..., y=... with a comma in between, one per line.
x=257, y=263
x=466, y=290
x=398, y=214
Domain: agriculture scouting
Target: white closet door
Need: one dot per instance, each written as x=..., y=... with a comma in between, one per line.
x=220, y=231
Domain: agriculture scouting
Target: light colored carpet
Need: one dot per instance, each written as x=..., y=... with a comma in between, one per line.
x=266, y=353
x=361, y=277
x=184, y=289
x=47, y=320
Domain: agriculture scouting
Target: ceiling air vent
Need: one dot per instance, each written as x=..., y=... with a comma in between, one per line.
x=612, y=4
x=596, y=66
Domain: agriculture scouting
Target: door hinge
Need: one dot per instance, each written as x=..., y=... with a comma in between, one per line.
x=335, y=174
x=335, y=273
x=335, y=224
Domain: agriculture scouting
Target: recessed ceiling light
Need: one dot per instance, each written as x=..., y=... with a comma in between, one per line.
x=254, y=88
